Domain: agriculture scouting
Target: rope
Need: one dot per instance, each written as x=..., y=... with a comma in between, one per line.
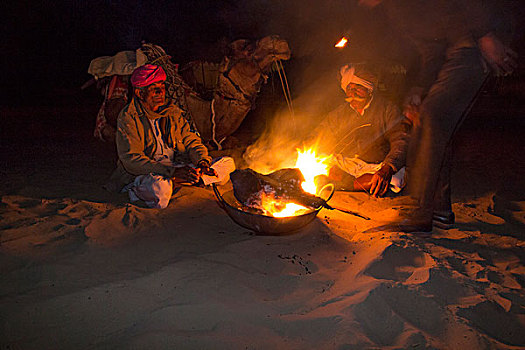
x=219, y=147
x=160, y=58
x=286, y=90
x=283, y=85
x=280, y=63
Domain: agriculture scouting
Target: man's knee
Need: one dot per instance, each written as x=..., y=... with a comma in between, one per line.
x=154, y=190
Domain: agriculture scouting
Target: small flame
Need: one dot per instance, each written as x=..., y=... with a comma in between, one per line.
x=290, y=209
x=311, y=166
x=280, y=209
x=341, y=43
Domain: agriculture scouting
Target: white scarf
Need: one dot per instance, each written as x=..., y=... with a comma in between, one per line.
x=348, y=76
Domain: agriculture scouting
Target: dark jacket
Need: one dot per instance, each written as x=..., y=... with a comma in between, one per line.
x=435, y=26
x=380, y=135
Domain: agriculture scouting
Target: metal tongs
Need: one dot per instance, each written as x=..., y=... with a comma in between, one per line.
x=347, y=211
x=329, y=207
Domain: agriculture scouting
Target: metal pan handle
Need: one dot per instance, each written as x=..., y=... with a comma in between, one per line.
x=332, y=190
x=222, y=203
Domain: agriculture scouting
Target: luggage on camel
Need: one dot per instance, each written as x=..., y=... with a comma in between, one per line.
x=215, y=97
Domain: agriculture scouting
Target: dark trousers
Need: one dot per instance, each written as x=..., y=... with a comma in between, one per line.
x=441, y=113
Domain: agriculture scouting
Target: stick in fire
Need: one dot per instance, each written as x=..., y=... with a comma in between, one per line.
x=250, y=186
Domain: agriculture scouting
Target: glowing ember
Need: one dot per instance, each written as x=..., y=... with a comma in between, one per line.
x=341, y=43
x=311, y=166
x=291, y=209
x=280, y=209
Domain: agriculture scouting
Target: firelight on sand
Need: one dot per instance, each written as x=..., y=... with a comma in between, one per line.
x=341, y=43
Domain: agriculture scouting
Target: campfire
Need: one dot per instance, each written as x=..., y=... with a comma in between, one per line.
x=310, y=166
x=285, y=192
x=280, y=209
x=282, y=201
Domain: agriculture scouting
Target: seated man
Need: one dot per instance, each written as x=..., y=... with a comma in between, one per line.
x=156, y=148
x=367, y=137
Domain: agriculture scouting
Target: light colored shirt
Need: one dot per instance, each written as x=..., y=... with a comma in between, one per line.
x=163, y=153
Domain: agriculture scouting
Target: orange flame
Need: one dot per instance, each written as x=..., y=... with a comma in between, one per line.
x=311, y=166
x=278, y=208
x=341, y=43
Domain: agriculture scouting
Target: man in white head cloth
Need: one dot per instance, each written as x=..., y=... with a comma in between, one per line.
x=367, y=137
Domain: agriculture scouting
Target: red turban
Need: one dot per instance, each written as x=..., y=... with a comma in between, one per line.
x=146, y=75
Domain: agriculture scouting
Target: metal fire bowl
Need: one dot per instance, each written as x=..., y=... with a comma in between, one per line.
x=268, y=225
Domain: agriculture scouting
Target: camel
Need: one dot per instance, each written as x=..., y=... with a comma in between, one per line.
x=215, y=97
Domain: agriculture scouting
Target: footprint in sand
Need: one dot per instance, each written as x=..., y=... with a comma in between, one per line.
x=387, y=308
x=513, y=212
x=493, y=320
x=43, y=224
x=28, y=203
x=400, y=263
x=73, y=221
x=117, y=223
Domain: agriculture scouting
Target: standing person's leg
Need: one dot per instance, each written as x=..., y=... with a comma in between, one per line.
x=443, y=216
x=442, y=111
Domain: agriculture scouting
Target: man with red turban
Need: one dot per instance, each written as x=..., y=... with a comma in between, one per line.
x=156, y=148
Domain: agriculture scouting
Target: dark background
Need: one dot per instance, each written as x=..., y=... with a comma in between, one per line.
x=47, y=121
x=47, y=45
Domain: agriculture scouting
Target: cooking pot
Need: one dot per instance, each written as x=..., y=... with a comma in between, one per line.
x=268, y=225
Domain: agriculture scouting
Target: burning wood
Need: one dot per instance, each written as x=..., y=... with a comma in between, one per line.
x=278, y=194
x=285, y=192
x=269, y=194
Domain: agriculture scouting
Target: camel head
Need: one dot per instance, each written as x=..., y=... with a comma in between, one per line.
x=270, y=49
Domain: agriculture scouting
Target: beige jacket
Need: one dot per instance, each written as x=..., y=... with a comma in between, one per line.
x=136, y=144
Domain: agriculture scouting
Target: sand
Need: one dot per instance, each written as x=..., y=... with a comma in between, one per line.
x=82, y=268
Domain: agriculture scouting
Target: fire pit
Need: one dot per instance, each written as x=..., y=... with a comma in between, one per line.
x=279, y=202
x=268, y=225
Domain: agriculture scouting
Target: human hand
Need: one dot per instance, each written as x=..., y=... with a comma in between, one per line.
x=501, y=58
x=206, y=169
x=412, y=114
x=414, y=96
x=412, y=103
x=186, y=174
x=381, y=180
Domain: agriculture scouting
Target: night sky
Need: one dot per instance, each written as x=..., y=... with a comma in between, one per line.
x=48, y=45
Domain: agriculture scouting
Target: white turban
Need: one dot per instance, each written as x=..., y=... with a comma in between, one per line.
x=348, y=76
